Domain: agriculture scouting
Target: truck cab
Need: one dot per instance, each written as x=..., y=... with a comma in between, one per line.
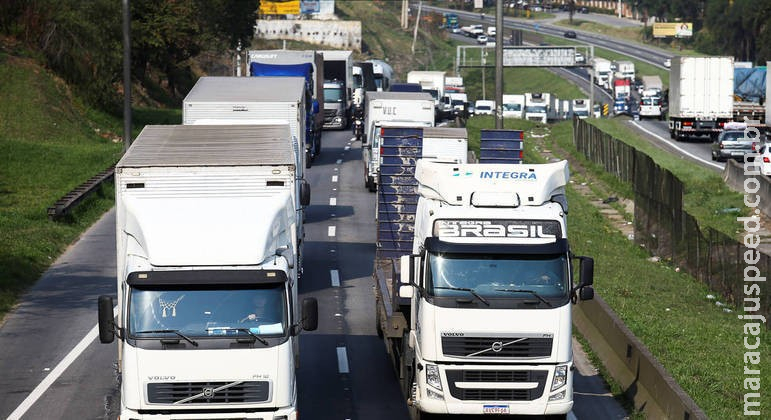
x=490, y=285
x=335, y=104
x=537, y=107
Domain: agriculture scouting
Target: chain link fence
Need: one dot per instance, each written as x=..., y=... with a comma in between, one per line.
x=664, y=228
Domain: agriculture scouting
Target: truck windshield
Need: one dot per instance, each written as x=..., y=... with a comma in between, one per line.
x=334, y=94
x=498, y=275
x=207, y=311
x=536, y=109
x=512, y=107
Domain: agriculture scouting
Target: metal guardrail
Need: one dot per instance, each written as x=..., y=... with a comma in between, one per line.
x=63, y=206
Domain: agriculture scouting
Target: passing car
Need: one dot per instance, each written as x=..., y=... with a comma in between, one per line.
x=733, y=144
x=482, y=39
x=570, y=34
x=667, y=62
x=580, y=58
x=765, y=159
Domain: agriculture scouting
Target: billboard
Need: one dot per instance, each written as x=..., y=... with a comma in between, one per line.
x=539, y=57
x=310, y=6
x=280, y=7
x=675, y=29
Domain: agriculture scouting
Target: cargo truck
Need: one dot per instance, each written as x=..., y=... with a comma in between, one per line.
x=539, y=107
x=363, y=81
x=307, y=64
x=513, y=106
x=207, y=296
x=384, y=74
x=396, y=109
x=700, y=96
x=338, y=88
x=603, y=74
x=432, y=82
x=475, y=284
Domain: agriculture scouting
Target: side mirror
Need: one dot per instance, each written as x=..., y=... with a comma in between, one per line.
x=310, y=314
x=587, y=271
x=106, y=320
x=305, y=193
x=586, y=293
x=406, y=264
x=315, y=107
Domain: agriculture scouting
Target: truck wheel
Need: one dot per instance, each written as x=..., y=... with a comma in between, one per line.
x=372, y=187
x=308, y=159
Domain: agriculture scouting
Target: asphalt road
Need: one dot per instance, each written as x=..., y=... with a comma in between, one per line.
x=53, y=367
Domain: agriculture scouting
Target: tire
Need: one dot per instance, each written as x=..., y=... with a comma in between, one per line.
x=308, y=159
x=714, y=157
x=372, y=186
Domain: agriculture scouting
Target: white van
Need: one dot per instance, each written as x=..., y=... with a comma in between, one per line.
x=484, y=107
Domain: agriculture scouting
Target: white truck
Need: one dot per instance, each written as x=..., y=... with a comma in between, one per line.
x=474, y=299
x=397, y=109
x=625, y=70
x=207, y=296
x=216, y=100
x=539, y=107
x=701, y=97
x=513, y=106
x=384, y=74
x=484, y=107
x=603, y=74
x=338, y=88
x=431, y=82
x=652, y=83
x=581, y=108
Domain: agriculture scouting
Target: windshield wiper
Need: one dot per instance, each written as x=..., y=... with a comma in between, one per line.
x=463, y=289
x=188, y=339
x=526, y=291
x=246, y=330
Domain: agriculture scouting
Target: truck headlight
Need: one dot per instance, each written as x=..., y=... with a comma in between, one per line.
x=560, y=377
x=432, y=376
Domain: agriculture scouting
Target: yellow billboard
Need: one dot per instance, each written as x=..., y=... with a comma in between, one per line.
x=280, y=7
x=675, y=29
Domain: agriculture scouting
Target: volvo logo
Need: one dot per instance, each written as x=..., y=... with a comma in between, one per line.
x=208, y=392
x=497, y=346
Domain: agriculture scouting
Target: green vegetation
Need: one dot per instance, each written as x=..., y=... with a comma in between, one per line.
x=50, y=143
x=665, y=308
x=706, y=194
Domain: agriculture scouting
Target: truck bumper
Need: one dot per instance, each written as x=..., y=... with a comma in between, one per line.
x=286, y=413
x=462, y=392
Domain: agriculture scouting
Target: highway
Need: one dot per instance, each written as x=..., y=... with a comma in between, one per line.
x=53, y=367
x=656, y=132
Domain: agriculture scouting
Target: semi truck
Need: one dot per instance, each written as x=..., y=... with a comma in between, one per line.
x=363, y=81
x=296, y=63
x=700, y=96
x=624, y=70
x=338, y=88
x=475, y=284
x=384, y=74
x=581, y=108
x=208, y=315
x=396, y=109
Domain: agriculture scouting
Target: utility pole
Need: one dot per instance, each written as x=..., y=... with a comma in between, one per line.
x=126, y=75
x=405, y=9
x=499, y=64
x=417, y=22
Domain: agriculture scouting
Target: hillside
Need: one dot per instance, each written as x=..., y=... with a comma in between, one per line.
x=50, y=143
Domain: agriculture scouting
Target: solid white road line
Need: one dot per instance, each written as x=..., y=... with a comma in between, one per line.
x=676, y=147
x=56, y=372
x=332, y=201
x=335, y=277
x=342, y=360
x=331, y=231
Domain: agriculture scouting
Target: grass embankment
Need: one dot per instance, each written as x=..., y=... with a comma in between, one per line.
x=695, y=340
x=50, y=143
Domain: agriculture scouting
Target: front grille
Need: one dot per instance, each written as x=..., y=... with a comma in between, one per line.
x=208, y=392
x=497, y=376
x=535, y=118
x=498, y=347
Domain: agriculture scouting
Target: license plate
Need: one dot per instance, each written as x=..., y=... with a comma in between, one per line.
x=495, y=409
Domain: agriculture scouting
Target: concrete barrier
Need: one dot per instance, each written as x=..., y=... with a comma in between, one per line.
x=643, y=379
x=734, y=177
